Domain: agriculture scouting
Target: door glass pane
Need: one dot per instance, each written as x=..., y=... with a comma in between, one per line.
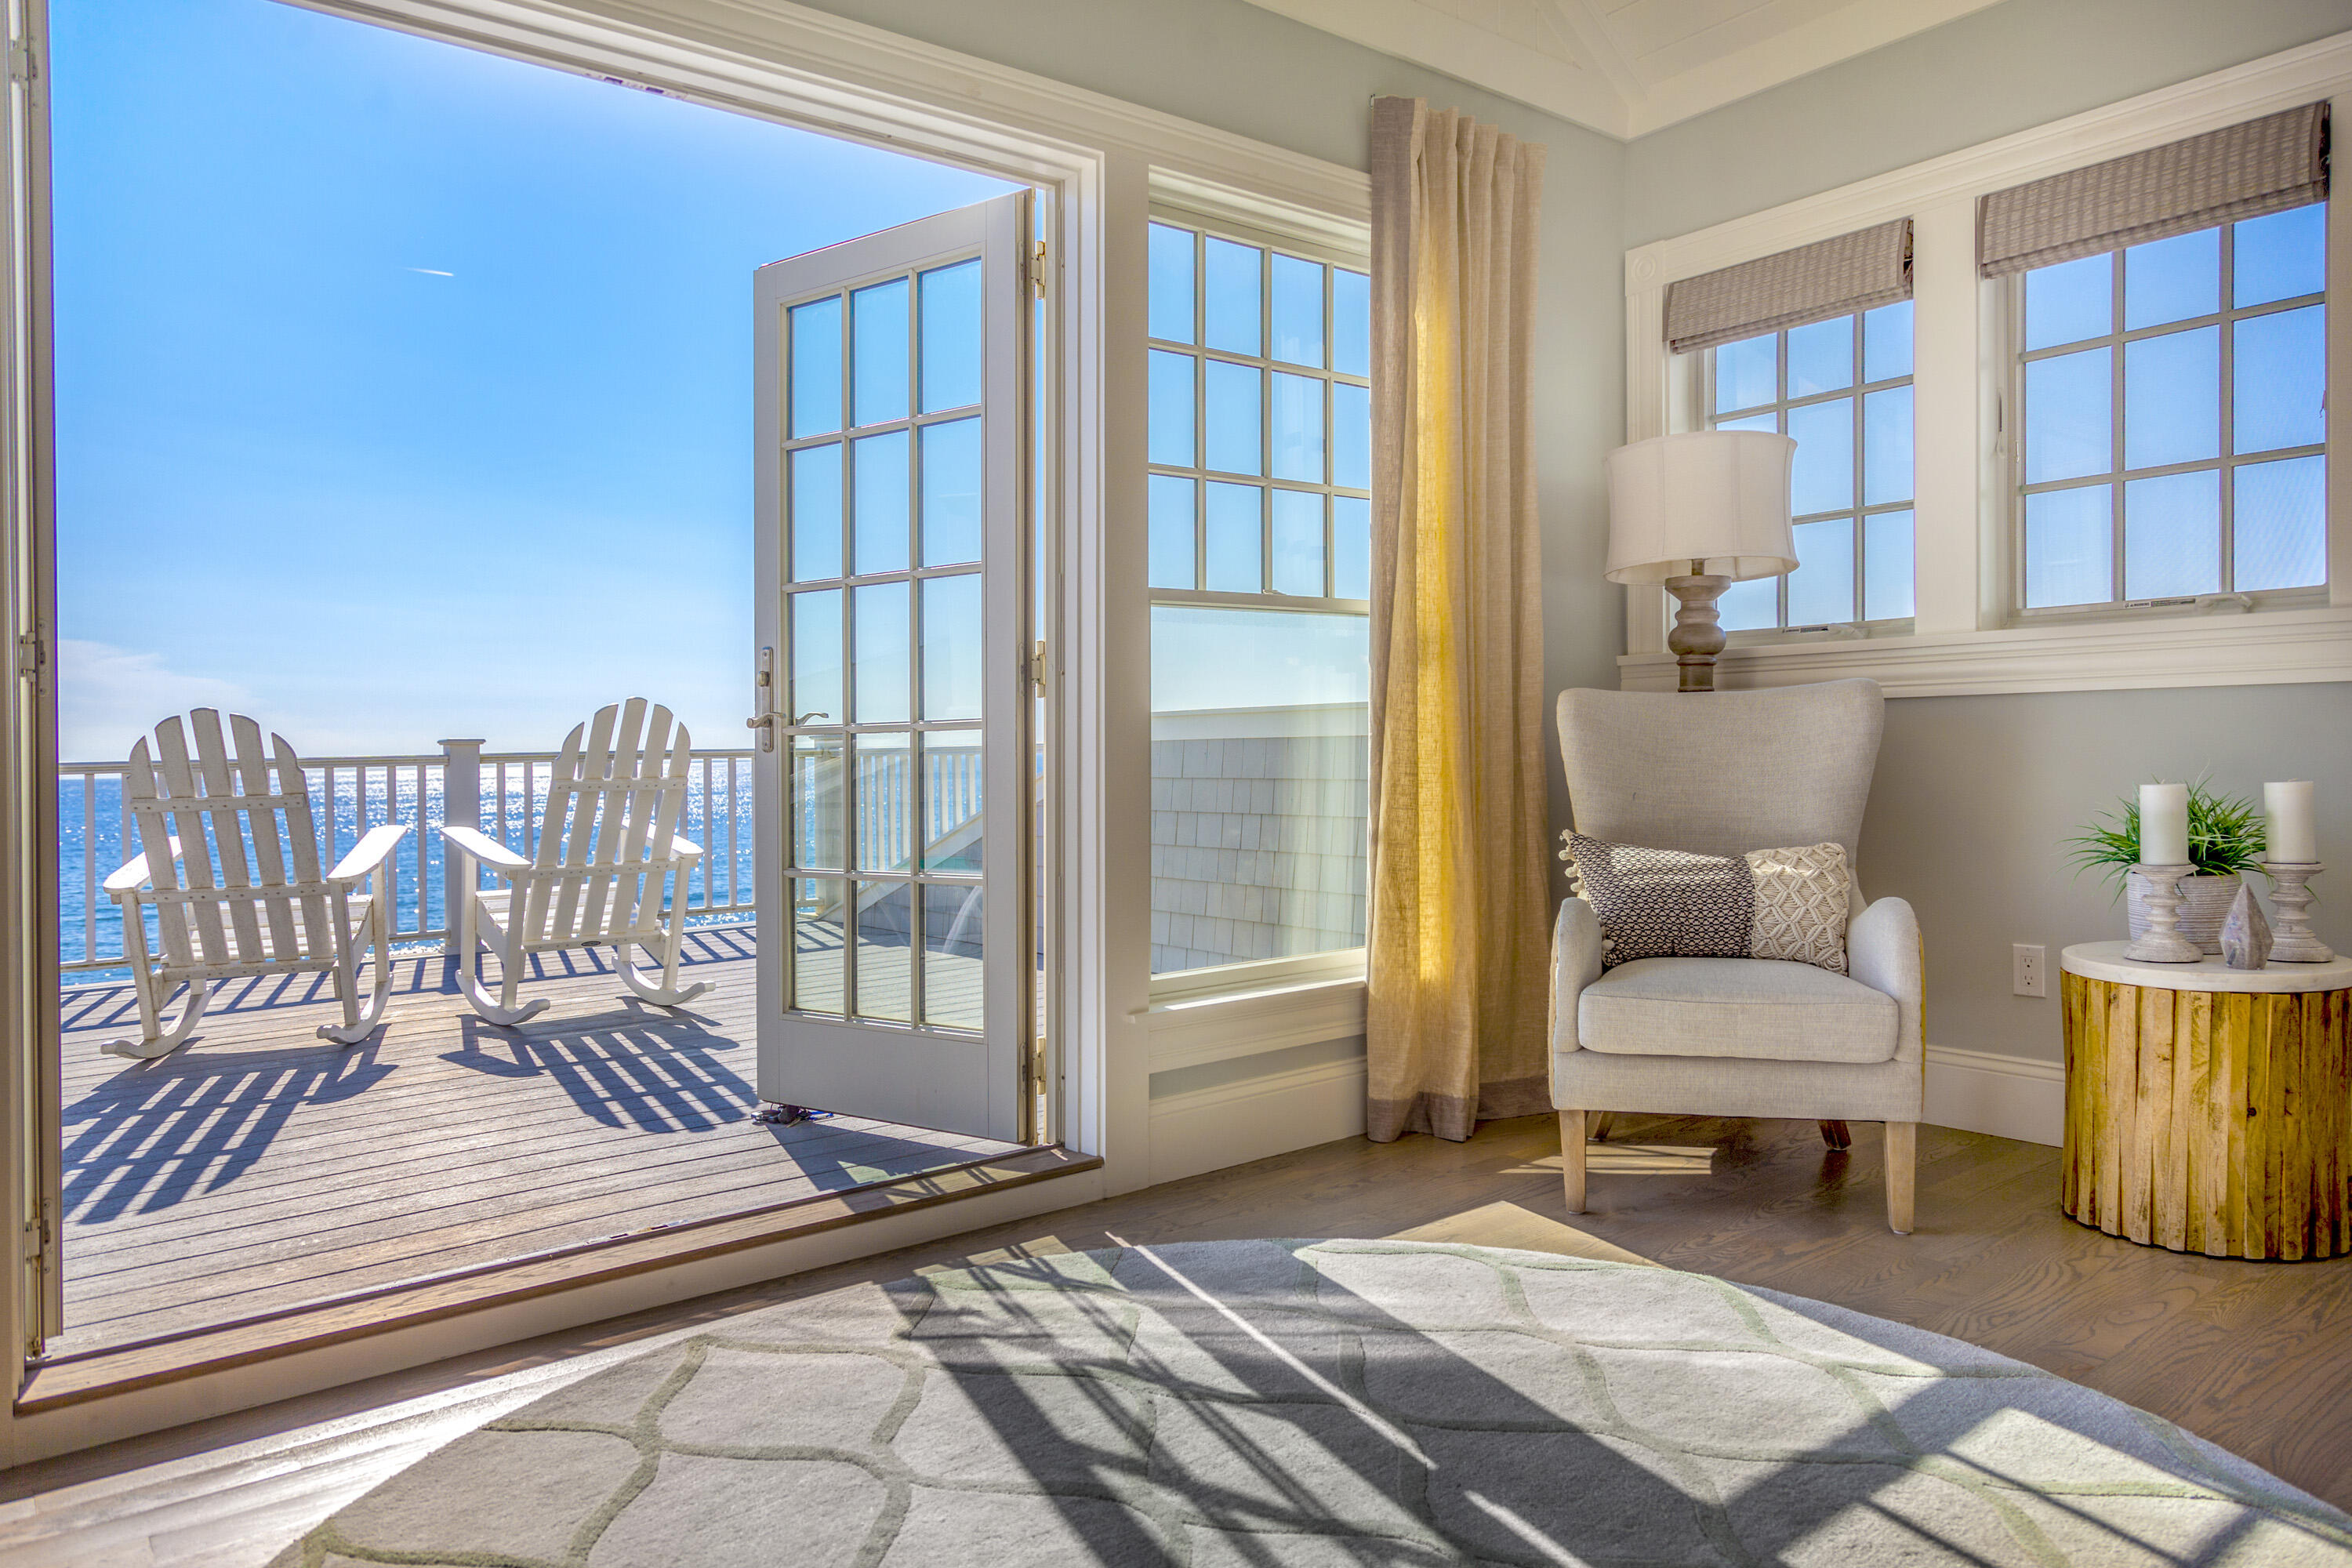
x=2172, y=279
x=820, y=912
x=883, y=802
x=1351, y=548
x=817, y=803
x=1351, y=436
x=2069, y=409
x=2069, y=547
x=816, y=513
x=1886, y=569
x=1234, y=437
x=951, y=801
x=952, y=626
x=2282, y=525
x=880, y=526
x=1171, y=439
x=1886, y=446
x=1820, y=356
x=2281, y=370
x=951, y=955
x=951, y=505
x=1297, y=311
x=1886, y=342
x=1352, y=323
x=886, y=952
x=1231, y=293
x=1234, y=539
x=2280, y=255
x=1297, y=542
x=2172, y=535
x=1750, y=605
x=877, y=325
x=1822, y=476
x=1171, y=284
x=1747, y=373
x=953, y=332
x=1822, y=587
x=2070, y=301
x=1297, y=427
x=816, y=658
x=2172, y=398
x=1173, y=502
x=885, y=668
x=817, y=367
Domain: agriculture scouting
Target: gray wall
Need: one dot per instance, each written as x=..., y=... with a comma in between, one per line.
x=1973, y=793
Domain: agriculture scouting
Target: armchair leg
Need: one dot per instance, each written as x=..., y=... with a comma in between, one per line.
x=1837, y=1135
x=1600, y=1121
x=1571, y=1158
x=1902, y=1171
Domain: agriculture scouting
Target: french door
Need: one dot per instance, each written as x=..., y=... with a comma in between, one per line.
x=895, y=930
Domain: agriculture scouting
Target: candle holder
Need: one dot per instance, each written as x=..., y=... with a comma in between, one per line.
x=2162, y=942
x=2292, y=941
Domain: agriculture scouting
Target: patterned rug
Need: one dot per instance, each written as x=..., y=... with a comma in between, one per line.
x=1323, y=1403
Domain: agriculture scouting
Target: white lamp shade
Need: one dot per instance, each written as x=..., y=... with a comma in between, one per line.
x=1716, y=495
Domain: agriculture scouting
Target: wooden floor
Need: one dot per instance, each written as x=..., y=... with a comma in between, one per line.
x=260, y=1167
x=2255, y=1356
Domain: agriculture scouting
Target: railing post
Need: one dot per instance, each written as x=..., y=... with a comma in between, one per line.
x=461, y=807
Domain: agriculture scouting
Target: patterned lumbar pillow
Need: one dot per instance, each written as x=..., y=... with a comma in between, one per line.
x=1671, y=903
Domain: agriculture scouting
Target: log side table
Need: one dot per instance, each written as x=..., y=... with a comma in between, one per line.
x=2208, y=1109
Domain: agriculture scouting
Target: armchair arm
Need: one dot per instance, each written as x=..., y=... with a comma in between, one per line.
x=1882, y=951
x=684, y=848
x=1575, y=964
x=369, y=853
x=134, y=875
x=483, y=848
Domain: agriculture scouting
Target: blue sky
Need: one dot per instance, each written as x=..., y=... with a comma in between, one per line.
x=405, y=392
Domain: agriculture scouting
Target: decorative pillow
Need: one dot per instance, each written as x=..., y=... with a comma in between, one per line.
x=1670, y=903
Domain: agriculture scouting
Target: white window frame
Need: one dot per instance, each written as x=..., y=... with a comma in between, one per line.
x=1967, y=634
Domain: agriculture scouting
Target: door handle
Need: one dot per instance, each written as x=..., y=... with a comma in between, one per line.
x=762, y=694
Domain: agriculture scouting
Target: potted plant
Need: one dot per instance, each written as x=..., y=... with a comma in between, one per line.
x=2225, y=839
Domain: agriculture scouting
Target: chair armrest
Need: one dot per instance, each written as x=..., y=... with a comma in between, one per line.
x=684, y=848
x=1575, y=964
x=370, y=852
x=134, y=875
x=485, y=848
x=1882, y=951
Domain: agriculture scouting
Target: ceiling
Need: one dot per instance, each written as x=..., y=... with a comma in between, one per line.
x=1624, y=67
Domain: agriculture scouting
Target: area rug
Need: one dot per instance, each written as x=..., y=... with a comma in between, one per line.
x=1323, y=1402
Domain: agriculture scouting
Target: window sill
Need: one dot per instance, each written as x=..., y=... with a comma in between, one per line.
x=1215, y=1026
x=2262, y=648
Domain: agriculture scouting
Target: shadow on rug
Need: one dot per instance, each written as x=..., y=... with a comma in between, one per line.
x=1323, y=1402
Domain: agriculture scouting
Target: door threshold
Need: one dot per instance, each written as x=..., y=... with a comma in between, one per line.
x=102, y=1372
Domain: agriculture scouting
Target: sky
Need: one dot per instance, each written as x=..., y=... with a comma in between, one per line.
x=405, y=392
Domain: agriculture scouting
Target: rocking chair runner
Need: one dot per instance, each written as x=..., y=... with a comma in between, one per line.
x=271, y=914
x=607, y=845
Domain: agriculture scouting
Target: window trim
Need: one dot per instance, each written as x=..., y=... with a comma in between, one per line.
x=1965, y=636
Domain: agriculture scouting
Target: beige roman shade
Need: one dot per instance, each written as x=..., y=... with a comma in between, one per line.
x=2239, y=171
x=1811, y=283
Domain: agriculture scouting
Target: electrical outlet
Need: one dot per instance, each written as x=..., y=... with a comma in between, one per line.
x=2026, y=964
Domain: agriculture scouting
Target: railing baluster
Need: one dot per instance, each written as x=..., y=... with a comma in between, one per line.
x=89, y=865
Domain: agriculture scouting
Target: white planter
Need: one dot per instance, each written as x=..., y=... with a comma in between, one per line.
x=2204, y=904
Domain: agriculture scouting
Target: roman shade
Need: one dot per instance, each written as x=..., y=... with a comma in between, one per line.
x=1856, y=272
x=2239, y=171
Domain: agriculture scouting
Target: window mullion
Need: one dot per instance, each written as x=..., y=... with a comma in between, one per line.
x=2118, y=585
x=2225, y=478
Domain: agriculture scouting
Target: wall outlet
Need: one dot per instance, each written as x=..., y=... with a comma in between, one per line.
x=2027, y=962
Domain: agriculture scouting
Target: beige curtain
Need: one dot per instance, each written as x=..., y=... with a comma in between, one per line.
x=1456, y=1025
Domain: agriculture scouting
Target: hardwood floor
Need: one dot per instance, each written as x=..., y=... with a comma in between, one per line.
x=2255, y=1356
x=260, y=1167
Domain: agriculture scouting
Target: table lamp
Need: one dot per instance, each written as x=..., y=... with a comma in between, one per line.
x=1696, y=513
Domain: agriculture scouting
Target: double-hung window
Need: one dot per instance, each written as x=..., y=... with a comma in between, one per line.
x=1259, y=550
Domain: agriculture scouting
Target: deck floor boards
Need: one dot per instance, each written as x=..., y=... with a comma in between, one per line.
x=260, y=1167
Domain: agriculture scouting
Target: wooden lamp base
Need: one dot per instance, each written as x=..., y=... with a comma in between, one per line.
x=1697, y=634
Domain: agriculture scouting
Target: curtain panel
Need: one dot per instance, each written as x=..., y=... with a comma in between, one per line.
x=1456, y=996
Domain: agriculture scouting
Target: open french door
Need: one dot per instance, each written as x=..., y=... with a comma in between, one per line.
x=895, y=927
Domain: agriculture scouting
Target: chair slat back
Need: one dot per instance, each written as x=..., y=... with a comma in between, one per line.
x=614, y=803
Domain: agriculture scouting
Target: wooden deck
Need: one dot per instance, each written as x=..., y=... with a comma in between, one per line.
x=260, y=1168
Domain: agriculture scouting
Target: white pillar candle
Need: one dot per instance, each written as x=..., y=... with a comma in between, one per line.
x=2164, y=825
x=2291, y=836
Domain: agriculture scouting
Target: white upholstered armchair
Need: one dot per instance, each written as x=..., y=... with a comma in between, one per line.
x=1724, y=773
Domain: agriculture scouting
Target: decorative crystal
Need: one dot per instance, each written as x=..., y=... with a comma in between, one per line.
x=2245, y=934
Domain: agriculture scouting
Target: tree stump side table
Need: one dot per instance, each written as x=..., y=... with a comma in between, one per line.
x=2208, y=1109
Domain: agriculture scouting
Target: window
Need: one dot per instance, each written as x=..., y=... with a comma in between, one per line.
x=1259, y=545
x=1842, y=388
x=2172, y=416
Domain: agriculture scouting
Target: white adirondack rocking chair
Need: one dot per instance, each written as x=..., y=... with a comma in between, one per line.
x=607, y=845
x=266, y=909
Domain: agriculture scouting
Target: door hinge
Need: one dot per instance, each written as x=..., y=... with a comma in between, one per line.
x=32, y=654
x=1034, y=668
x=1037, y=270
x=23, y=64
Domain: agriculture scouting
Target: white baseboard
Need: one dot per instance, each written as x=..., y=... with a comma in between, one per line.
x=1236, y=1122
x=2009, y=1097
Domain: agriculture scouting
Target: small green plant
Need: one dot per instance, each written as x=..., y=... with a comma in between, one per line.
x=2224, y=835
